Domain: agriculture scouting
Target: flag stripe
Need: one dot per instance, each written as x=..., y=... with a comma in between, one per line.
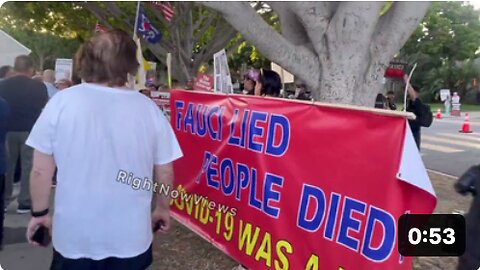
x=165, y=8
x=100, y=28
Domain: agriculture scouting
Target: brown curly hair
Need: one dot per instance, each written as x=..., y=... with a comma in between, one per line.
x=107, y=57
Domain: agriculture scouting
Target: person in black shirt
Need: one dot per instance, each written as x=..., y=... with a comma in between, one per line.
x=391, y=101
x=270, y=84
x=26, y=98
x=381, y=102
x=3, y=130
x=5, y=72
x=422, y=112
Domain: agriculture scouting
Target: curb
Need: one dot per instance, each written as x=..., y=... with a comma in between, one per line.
x=442, y=174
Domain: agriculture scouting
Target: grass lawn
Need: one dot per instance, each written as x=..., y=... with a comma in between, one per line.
x=464, y=108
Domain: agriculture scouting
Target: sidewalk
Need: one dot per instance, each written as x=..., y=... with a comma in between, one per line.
x=17, y=254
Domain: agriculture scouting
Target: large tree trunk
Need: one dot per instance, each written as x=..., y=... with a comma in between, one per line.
x=339, y=49
x=41, y=62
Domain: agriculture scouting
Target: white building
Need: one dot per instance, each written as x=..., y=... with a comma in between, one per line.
x=10, y=48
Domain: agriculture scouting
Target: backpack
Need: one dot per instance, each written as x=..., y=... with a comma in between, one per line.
x=426, y=117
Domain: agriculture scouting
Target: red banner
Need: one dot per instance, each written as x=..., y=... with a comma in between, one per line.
x=278, y=184
x=203, y=82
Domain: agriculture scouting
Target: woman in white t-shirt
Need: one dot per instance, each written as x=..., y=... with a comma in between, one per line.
x=111, y=144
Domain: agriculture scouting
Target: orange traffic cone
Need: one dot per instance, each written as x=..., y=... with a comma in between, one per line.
x=466, y=125
x=439, y=114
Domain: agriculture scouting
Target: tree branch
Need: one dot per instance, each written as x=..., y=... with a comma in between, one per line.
x=189, y=40
x=292, y=29
x=97, y=11
x=401, y=19
x=234, y=47
x=181, y=57
x=295, y=59
x=204, y=28
x=114, y=9
x=200, y=18
x=352, y=27
x=219, y=40
x=159, y=52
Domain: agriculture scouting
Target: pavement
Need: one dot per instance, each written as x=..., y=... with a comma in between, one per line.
x=17, y=254
x=444, y=149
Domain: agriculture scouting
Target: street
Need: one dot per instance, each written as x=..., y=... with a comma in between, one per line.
x=445, y=149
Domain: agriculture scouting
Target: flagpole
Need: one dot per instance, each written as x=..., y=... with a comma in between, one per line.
x=169, y=70
x=136, y=20
x=131, y=78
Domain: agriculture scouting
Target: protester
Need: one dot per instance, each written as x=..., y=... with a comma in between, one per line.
x=106, y=131
x=249, y=82
x=455, y=98
x=5, y=72
x=63, y=84
x=4, y=110
x=301, y=92
x=448, y=104
x=146, y=92
x=269, y=84
x=26, y=98
x=381, y=102
x=391, y=100
x=422, y=112
x=189, y=85
x=49, y=80
x=469, y=183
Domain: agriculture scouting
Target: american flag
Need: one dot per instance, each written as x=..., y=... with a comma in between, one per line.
x=100, y=28
x=166, y=9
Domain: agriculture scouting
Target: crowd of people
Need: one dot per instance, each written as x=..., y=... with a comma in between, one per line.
x=87, y=135
x=268, y=83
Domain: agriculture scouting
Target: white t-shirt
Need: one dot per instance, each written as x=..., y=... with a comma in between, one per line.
x=94, y=132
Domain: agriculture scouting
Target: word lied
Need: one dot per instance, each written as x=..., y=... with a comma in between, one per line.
x=256, y=131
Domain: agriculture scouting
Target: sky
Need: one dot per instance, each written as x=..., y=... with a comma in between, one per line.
x=475, y=3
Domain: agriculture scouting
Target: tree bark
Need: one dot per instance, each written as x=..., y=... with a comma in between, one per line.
x=41, y=62
x=339, y=49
